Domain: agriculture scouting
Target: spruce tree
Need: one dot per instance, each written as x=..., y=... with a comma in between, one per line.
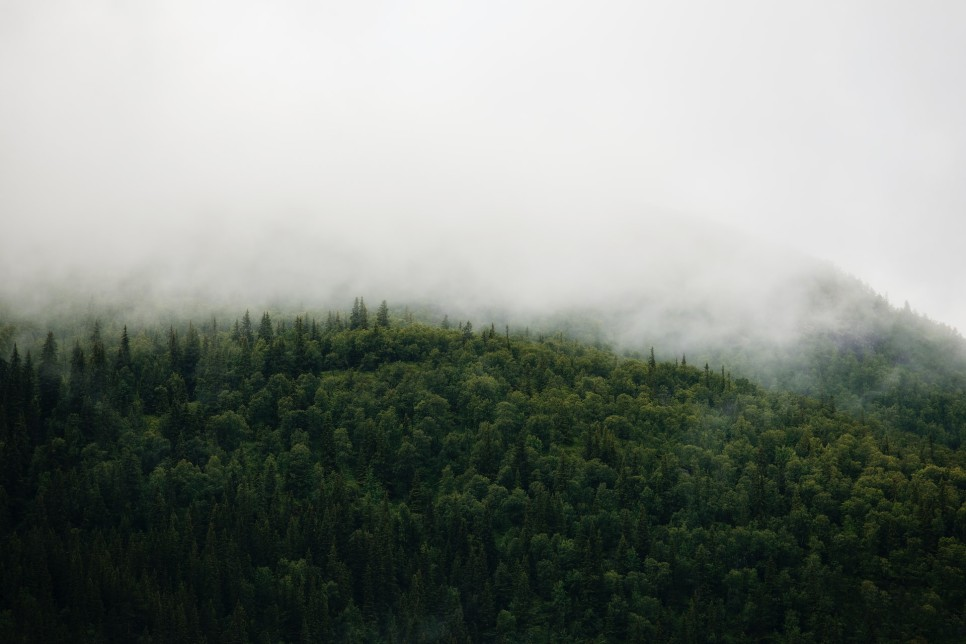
x=98, y=363
x=190, y=357
x=359, y=318
x=382, y=315
x=77, y=384
x=246, y=333
x=49, y=375
x=265, y=330
x=124, y=351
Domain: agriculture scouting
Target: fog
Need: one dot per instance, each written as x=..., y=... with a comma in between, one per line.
x=523, y=157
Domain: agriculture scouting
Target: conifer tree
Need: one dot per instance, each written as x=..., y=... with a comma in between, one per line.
x=49, y=375
x=246, y=332
x=359, y=318
x=190, y=358
x=78, y=385
x=265, y=330
x=382, y=315
x=123, y=351
x=174, y=350
x=299, y=357
x=98, y=363
x=15, y=397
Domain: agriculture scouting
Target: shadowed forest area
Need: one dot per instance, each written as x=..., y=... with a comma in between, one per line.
x=367, y=477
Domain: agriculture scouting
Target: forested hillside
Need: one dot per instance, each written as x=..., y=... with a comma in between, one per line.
x=371, y=478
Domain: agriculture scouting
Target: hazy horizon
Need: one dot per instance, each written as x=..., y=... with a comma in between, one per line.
x=542, y=155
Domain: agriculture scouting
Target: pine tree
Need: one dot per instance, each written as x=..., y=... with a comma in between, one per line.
x=174, y=350
x=265, y=330
x=190, y=358
x=246, y=333
x=49, y=375
x=382, y=315
x=98, y=364
x=123, y=351
x=359, y=318
x=299, y=350
x=78, y=384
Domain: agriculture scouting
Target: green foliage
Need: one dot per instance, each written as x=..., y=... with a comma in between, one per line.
x=407, y=482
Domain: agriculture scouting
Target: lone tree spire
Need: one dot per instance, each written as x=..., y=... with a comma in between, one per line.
x=359, y=318
x=382, y=315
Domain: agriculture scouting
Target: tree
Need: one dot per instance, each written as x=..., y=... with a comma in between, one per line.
x=78, y=382
x=123, y=351
x=246, y=332
x=49, y=375
x=174, y=350
x=98, y=363
x=265, y=330
x=190, y=358
x=382, y=315
x=359, y=318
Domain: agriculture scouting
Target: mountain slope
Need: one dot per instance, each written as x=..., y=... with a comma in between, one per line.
x=340, y=479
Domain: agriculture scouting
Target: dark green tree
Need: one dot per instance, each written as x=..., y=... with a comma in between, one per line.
x=359, y=317
x=246, y=332
x=49, y=376
x=265, y=330
x=382, y=315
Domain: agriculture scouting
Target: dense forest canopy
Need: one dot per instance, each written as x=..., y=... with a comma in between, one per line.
x=369, y=477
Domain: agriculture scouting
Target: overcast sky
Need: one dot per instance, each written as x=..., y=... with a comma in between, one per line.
x=437, y=139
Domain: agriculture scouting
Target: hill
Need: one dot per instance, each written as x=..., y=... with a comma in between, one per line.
x=370, y=478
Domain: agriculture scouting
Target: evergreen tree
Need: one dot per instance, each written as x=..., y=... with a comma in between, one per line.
x=49, y=376
x=382, y=315
x=98, y=364
x=78, y=383
x=265, y=330
x=359, y=318
x=175, y=357
x=246, y=332
x=189, y=359
x=123, y=351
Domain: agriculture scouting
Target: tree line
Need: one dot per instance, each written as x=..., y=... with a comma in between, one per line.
x=369, y=478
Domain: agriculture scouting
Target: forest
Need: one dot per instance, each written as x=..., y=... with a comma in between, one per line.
x=360, y=477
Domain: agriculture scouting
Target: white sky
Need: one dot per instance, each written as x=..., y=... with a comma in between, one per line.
x=457, y=134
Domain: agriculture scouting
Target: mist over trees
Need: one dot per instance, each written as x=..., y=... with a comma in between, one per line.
x=624, y=392
x=343, y=477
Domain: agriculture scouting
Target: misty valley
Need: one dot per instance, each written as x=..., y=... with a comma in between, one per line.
x=397, y=475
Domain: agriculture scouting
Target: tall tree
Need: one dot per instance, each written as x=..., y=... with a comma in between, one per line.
x=78, y=382
x=382, y=315
x=265, y=330
x=359, y=318
x=189, y=359
x=123, y=351
x=98, y=364
x=49, y=375
x=247, y=333
x=174, y=350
